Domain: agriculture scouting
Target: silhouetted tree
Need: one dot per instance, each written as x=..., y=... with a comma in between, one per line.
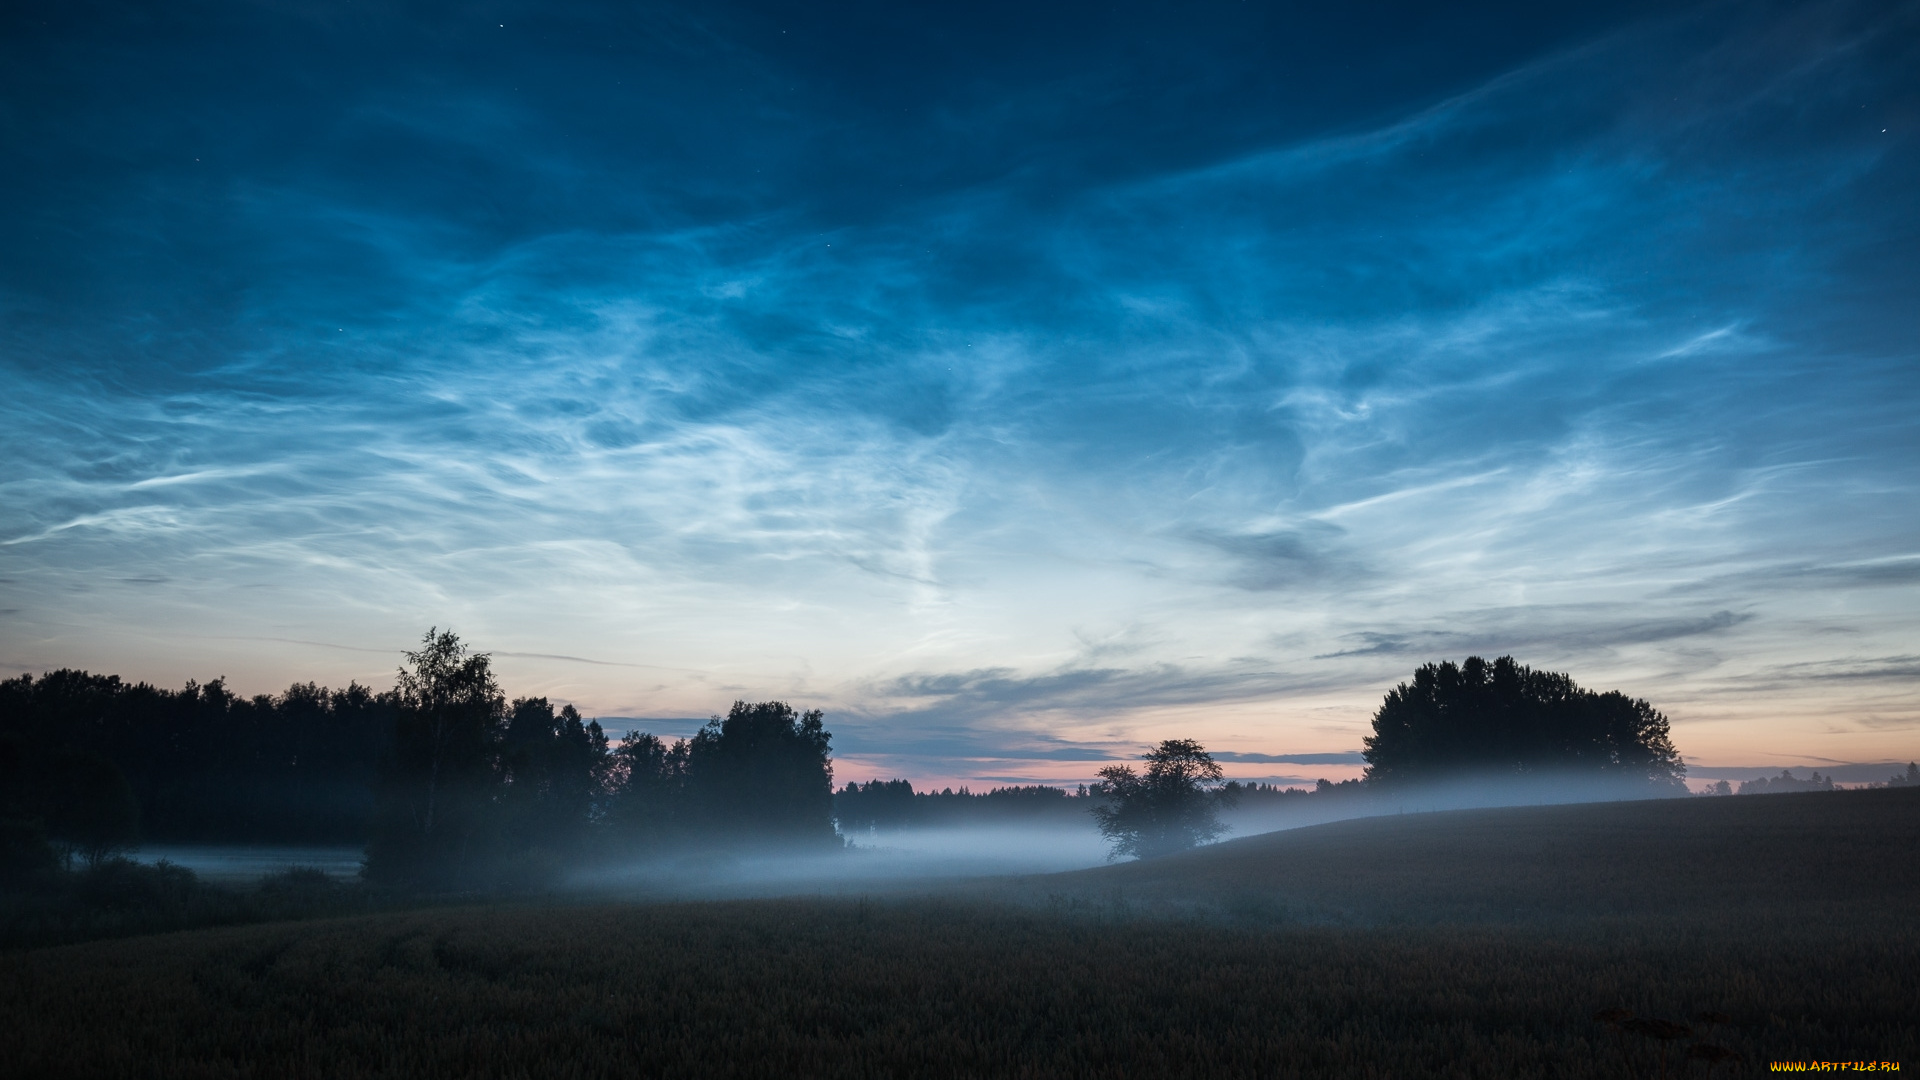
x=321, y=749
x=763, y=773
x=555, y=768
x=1504, y=718
x=1169, y=809
x=876, y=804
x=648, y=784
x=436, y=788
x=577, y=769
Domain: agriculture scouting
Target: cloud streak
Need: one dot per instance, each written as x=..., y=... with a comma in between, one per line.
x=674, y=358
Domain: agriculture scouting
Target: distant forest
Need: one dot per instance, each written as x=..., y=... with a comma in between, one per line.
x=882, y=805
x=205, y=764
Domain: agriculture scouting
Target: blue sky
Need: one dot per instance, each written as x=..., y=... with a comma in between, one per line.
x=1020, y=386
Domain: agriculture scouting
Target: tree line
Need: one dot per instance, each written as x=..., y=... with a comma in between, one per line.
x=198, y=764
x=882, y=805
x=449, y=783
x=1787, y=783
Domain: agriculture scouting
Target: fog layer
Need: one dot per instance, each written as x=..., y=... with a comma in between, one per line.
x=902, y=860
x=929, y=859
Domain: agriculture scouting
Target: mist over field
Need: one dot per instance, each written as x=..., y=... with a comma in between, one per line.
x=1459, y=793
x=925, y=858
x=229, y=864
x=930, y=859
x=909, y=860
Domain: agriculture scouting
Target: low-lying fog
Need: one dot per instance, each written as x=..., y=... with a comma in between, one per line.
x=873, y=862
x=1462, y=793
x=242, y=865
x=918, y=858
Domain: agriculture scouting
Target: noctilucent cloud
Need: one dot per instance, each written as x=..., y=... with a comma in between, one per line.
x=1021, y=384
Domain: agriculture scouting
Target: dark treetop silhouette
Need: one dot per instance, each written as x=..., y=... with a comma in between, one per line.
x=436, y=785
x=448, y=783
x=884, y=805
x=479, y=793
x=204, y=764
x=1169, y=809
x=1503, y=718
x=765, y=771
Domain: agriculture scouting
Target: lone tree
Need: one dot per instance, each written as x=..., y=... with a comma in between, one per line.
x=1505, y=718
x=1169, y=809
x=436, y=788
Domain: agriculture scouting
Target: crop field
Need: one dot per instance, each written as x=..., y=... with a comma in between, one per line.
x=1785, y=921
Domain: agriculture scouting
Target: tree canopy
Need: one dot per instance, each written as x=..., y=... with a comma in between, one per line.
x=1505, y=718
x=762, y=774
x=478, y=792
x=1168, y=809
x=205, y=764
x=764, y=770
x=435, y=785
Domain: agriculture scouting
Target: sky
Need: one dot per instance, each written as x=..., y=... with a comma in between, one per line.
x=1020, y=384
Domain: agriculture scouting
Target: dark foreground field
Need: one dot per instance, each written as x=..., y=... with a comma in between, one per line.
x=1367, y=961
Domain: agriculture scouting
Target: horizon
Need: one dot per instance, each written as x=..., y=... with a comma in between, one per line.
x=1018, y=387
x=1239, y=767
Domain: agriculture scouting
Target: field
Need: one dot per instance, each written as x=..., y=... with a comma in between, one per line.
x=1475, y=943
x=1845, y=855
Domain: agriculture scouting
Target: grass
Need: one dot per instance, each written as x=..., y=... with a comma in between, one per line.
x=1384, y=948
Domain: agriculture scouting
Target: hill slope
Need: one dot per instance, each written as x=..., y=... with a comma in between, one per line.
x=1850, y=851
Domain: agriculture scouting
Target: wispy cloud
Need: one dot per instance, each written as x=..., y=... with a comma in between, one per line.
x=1902, y=669
x=1584, y=629
x=1352, y=758
x=901, y=398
